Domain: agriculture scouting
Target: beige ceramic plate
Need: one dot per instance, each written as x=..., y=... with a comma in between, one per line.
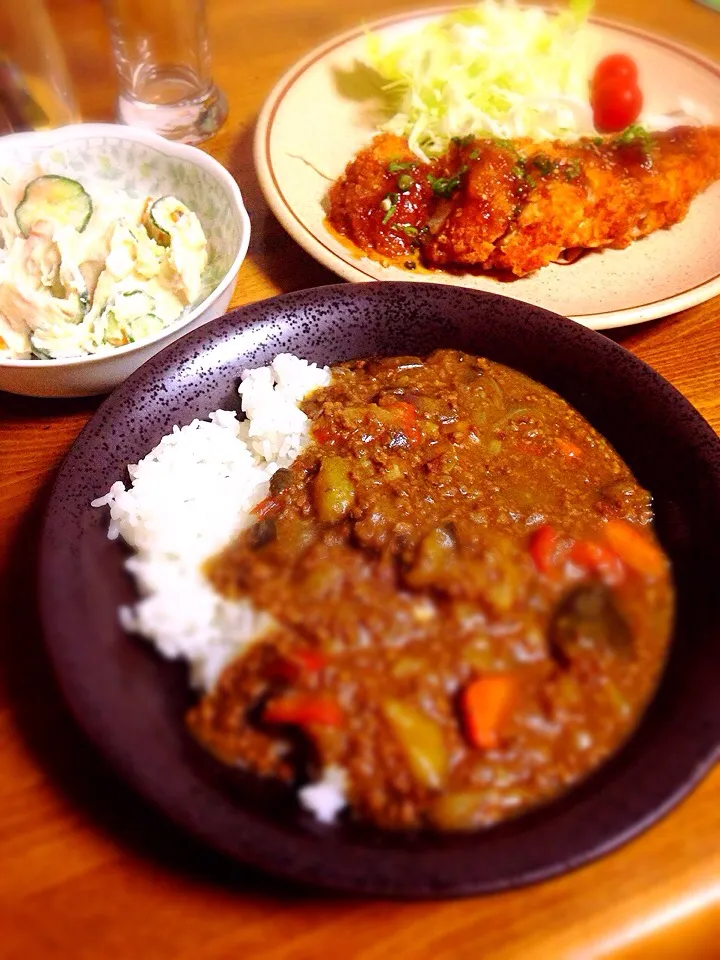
x=324, y=109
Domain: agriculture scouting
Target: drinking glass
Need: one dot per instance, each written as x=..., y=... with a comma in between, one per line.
x=35, y=89
x=162, y=58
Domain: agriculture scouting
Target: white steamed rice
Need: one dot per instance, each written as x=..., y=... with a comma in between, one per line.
x=189, y=497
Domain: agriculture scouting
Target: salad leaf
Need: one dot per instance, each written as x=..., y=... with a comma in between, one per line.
x=495, y=69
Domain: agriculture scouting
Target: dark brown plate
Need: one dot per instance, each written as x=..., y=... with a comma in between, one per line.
x=131, y=702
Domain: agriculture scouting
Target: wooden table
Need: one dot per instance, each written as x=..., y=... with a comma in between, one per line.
x=87, y=870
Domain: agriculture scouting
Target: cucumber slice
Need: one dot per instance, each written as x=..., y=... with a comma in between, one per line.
x=40, y=353
x=59, y=200
x=131, y=304
x=83, y=301
x=129, y=317
x=162, y=217
x=145, y=327
x=115, y=332
x=83, y=305
x=70, y=286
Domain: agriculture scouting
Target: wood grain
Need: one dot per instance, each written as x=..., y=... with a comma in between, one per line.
x=89, y=870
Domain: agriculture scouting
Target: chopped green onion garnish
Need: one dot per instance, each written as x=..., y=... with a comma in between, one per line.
x=506, y=145
x=572, y=170
x=634, y=132
x=543, y=163
x=407, y=228
x=446, y=186
x=389, y=204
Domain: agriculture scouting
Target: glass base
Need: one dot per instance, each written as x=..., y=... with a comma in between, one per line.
x=189, y=120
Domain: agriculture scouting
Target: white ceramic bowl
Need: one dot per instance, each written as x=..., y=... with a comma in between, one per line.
x=142, y=164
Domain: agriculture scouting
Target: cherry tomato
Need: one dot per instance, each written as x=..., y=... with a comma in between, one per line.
x=615, y=66
x=615, y=105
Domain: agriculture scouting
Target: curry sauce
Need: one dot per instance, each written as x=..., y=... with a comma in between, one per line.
x=470, y=607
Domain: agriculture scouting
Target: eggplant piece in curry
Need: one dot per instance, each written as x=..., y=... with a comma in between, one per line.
x=471, y=609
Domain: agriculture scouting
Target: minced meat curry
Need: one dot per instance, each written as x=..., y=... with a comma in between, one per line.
x=471, y=607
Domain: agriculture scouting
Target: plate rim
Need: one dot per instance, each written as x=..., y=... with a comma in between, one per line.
x=347, y=270
x=79, y=696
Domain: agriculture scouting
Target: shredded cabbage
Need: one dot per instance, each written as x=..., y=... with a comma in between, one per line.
x=497, y=69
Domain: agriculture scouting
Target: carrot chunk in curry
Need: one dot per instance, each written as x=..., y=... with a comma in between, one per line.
x=470, y=609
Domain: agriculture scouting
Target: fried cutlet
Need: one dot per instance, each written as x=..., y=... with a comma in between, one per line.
x=518, y=205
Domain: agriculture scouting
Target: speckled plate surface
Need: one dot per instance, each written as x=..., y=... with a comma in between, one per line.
x=131, y=703
x=326, y=108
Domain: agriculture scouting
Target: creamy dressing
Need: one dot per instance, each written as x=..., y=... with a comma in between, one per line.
x=66, y=293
